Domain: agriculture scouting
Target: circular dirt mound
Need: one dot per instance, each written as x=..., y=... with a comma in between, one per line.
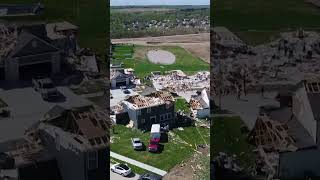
x=161, y=57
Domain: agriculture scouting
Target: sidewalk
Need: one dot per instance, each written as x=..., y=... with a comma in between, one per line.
x=138, y=164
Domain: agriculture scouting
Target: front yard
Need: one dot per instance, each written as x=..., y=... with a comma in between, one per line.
x=180, y=147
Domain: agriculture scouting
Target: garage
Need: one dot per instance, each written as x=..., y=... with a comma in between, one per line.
x=27, y=72
x=122, y=83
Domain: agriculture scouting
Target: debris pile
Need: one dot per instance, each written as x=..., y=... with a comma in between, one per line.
x=228, y=162
x=179, y=82
x=281, y=63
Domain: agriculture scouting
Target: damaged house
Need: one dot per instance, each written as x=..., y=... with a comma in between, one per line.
x=65, y=144
x=157, y=107
x=119, y=78
x=34, y=50
x=200, y=104
x=293, y=133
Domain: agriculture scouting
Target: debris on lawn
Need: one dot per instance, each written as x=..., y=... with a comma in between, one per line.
x=180, y=128
x=228, y=162
x=130, y=125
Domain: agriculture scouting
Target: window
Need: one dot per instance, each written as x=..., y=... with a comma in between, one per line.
x=148, y=110
x=92, y=160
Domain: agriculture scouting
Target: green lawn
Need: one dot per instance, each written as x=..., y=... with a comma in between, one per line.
x=180, y=146
x=182, y=105
x=267, y=18
x=185, y=61
x=90, y=16
x=226, y=137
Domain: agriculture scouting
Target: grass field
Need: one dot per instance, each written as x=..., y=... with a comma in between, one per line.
x=90, y=16
x=264, y=19
x=184, y=61
x=180, y=146
x=226, y=137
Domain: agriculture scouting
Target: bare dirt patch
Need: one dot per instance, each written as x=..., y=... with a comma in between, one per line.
x=197, y=44
x=161, y=57
x=192, y=168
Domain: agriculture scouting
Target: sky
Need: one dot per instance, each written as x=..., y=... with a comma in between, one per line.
x=158, y=2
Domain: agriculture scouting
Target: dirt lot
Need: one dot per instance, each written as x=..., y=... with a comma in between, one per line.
x=192, y=168
x=197, y=44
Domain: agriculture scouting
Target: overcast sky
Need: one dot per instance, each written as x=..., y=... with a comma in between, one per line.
x=158, y=2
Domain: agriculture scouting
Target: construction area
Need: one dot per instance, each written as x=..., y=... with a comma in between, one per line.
x=274, y=89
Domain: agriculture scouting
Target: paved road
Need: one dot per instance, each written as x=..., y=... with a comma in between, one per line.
x=138, y=164
x=115, y=176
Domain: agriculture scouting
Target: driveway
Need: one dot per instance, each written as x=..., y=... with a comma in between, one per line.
x=115, y=176
x=248, y=107
x=27, y=107
x=119, y=96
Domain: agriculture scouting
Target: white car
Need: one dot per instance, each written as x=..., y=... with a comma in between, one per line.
x=121, y=169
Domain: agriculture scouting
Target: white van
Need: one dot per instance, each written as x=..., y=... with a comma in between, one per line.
x=155, y=131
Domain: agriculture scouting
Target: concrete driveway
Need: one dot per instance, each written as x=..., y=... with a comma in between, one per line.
x=119, y=96
x=27, y=107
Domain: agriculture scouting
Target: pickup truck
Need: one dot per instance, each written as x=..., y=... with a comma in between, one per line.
x=45, y=87
x=154, y=145
x=136, y=144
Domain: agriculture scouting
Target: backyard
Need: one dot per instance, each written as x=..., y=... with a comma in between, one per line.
x=226, y=136
x=181, y=145
x=182, y=105
x=258, y=21
x=185, y=61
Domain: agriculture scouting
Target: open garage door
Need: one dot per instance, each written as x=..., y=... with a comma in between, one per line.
x=28, y=72
x=122, y=83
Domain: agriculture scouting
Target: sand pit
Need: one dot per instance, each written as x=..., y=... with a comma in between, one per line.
x=161, y=57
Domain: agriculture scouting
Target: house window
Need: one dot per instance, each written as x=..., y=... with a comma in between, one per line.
x=148, y=110
x=92, y=160
x=143, y=121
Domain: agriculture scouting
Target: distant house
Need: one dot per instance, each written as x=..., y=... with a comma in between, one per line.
x=32, y=50
x=157, y=107
x=20, y=9
x=118, y=78
x=200, y=104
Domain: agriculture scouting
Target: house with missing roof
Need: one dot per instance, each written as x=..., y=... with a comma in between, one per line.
x=31, y=50
x=200, y=104
x=65, y=144
x=292, y=132
x=155, y=108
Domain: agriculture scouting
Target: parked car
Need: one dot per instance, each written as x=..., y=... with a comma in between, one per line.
x=154, y=145
x=45, y=87
x=150, y=176
x=126, y=91
x=136, y=144
x=121, y=169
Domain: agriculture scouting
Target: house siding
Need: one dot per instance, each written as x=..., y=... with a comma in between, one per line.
x=302, y=110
